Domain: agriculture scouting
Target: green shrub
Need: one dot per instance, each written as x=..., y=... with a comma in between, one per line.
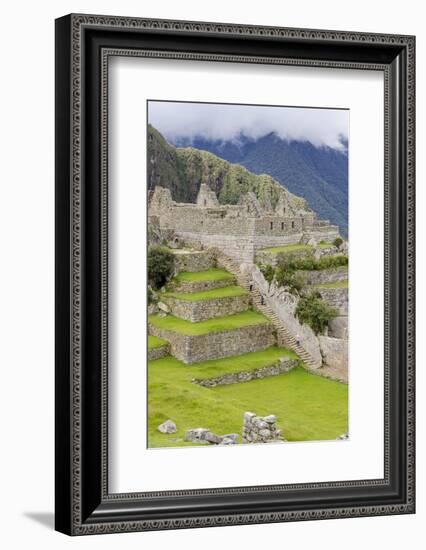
x=161, y=266
x=309, y=263
x=293, y=281
x=268, y=272
x=337, y=242
x=312, y=310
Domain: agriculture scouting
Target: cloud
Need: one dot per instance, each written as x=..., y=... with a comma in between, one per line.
x=214, y=121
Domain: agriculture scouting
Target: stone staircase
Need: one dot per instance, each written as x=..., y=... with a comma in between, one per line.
x=284, y=337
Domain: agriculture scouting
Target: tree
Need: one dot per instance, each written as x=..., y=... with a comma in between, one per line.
x=161, y=266
x=338, y=241
x=312, y=310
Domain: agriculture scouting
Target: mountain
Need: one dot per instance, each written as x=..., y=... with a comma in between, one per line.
x=318, y=174
x=184, y=169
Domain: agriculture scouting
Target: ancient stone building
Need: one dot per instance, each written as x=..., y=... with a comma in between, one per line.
x=238, y=230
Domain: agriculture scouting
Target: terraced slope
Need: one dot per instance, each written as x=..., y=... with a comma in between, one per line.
x=307, y=407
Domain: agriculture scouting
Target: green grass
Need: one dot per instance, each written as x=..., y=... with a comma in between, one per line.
x=337, y=284
x=307, y=407
x=238, y=363
x=219, y=324
x=288, y=248
x=325, y=245
x=213, y=274
x=225, y=292
x=155, y=342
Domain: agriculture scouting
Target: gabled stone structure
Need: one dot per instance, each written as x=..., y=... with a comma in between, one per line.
x=238, y=230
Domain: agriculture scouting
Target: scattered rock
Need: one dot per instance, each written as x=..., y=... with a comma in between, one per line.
x=152, y=309
x=164, y=307
x=213, y=438
x=196, y=434
x=167, y=427
x=204, y=435
x=227, y=441
x=233, y=437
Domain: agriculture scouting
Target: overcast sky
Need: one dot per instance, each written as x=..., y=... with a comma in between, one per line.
x=227, y=122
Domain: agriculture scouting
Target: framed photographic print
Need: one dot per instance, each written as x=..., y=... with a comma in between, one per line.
x=234, y=274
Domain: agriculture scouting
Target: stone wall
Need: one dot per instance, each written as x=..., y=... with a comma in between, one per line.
x=334, y=352
x=193, y=260
x=207, y=309
x=158, y=353
x=336, y=297
x=242, y=247
x=272, y=258
x=239, y=230
x=194, y=349
x=260, y=429
x=281, y=367
x=338, y=327
x=200, y=286
x=323, y=276
x=284, y=305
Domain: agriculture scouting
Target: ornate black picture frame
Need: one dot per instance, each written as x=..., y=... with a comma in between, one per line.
x=83, y=45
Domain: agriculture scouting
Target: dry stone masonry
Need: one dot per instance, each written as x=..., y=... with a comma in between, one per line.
x=260, y=429
x=158, y=353
x=282, y=366
x=239, y=230
x=215, y=345
x=206, y=309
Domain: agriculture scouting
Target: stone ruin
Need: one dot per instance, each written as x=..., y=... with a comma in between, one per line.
x=256, y=429
x=260, y=429
x=239, y=230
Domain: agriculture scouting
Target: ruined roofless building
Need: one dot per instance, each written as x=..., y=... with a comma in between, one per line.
x=238, y=230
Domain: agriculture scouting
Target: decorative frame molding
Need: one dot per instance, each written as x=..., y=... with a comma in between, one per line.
x=84, y=43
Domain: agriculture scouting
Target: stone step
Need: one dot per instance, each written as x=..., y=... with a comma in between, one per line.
x=287, y=338
x=184, y=306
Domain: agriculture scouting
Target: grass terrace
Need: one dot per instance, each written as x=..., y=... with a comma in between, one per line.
x=307, y=407
x=239, y=363
x=155, y=342
x=219, y=324
x=337, y=284
x=213, y=274
x=225, y=292
x=288, y=248
x=324, y=246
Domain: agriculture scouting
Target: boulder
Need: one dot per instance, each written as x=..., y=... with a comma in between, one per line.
x=163, y=307
x=167, y=427
x=233, y=437
x=196, y=434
